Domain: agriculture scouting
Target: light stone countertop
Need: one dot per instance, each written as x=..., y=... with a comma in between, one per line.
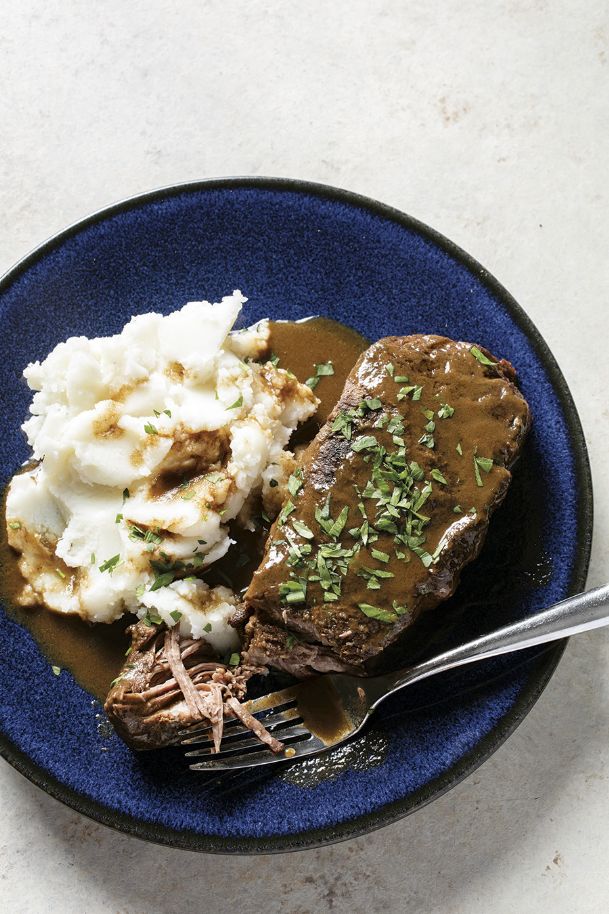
x=488, y=121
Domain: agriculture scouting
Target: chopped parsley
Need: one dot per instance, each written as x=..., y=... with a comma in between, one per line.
x=414, y=391
x=376, y=612
x=295, y=482
x=151, y=536
x=285, y=512
x=207, y=627
x=437, y=475
x=339, y=524
x=110, y=564
x=15, y=525
x=481, y=463
x=293, y=592
x=56, y=670
x=162, y=580
x=152, y=618
x=150, y=429
x=176, y=615
x=118, y=518
x=238, y=402
x=446, y=411
x=379, y=556
x=364, y=443
x=481, y=357
x=322, y=370
x=459, y=449
x=300, y=527
x=428, y=440
x=233, y=660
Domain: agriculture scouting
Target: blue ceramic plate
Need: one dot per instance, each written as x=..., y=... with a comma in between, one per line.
x=297, y=249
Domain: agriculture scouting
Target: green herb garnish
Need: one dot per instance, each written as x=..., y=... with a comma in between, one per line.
x=437, y=475
x=322, y=370
x=295, y=482
x=152, y=618
x=293, y=592
x=446, y=411
x=484, y=463
x=375, y=612
x=364, y=443
x=285, y=512
x=110, y=564
x=300, y=527
x=339, y=524
x=481, y=357
x=428, y=440
x=238, y=402
x=162, y=580
x=379, y=556
x=150, y=429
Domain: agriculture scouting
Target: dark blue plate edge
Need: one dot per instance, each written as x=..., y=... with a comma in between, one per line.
x=540, y=674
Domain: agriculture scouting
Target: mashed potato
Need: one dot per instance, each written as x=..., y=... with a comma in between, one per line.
x=149, y=443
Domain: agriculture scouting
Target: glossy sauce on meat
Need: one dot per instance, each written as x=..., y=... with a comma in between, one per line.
x=94, y=654
x=427, y=400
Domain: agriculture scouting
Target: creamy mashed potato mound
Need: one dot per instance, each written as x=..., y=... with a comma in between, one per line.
x=148, y=444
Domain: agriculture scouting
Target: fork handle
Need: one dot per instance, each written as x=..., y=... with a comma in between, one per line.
x=579, y=613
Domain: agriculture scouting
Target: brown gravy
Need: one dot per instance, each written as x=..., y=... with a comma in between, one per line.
x=94, y=654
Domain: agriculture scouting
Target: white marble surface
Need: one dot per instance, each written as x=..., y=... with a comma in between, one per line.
x=490, y=122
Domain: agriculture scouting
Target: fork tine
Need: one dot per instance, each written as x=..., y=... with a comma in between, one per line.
x=272, y=722
x=265, y=757
x=261, y=714
x=286, y=736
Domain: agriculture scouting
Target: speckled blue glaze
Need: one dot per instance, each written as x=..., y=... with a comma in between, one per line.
x=294, y=251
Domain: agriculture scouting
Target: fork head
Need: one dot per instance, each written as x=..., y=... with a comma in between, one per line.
x=307, y=718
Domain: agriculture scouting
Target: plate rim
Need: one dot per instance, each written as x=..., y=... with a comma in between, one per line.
x=539, y=676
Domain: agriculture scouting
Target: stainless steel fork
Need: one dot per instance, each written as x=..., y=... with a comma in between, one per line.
x=321, y=713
